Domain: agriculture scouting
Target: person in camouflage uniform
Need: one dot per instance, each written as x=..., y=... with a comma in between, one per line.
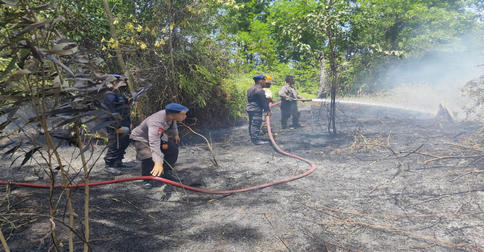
x=289, y=96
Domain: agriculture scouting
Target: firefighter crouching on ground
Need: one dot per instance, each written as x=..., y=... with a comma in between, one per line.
x=256, y=105
x=156, y=141
x=116, y=102
x=289, y=97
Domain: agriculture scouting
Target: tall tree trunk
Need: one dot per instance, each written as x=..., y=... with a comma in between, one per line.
x=323, y=89
x=119, y=54
x=334, y=77
x=171, y=33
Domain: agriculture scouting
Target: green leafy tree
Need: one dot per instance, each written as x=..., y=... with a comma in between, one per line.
x=169, y=44
x=384, y=32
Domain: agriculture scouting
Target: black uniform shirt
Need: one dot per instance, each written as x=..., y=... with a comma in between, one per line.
x=256, y=99
x=118, y=105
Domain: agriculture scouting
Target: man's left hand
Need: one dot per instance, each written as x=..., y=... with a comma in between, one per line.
x=177, y=139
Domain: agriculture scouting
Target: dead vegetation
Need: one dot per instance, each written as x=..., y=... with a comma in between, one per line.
x=49, y=95
x=378, y=187
x=444, y=159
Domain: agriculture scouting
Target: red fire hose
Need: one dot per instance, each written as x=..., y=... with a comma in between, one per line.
x=269, y=131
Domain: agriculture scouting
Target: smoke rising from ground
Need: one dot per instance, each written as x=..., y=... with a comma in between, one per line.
x=438, y=77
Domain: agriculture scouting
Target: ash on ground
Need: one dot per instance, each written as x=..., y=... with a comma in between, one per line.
x=390, y=180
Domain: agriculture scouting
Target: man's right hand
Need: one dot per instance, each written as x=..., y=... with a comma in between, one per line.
x=157, y=169
x=122, y=130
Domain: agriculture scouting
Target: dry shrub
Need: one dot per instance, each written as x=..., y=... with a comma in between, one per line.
x=362, y=143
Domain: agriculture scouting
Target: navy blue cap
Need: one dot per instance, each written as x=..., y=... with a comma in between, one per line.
x=175, y=108
x=119, y=76
x=259, y=77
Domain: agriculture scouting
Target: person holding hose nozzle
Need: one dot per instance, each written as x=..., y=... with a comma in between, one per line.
x=289, y=97
x=256, y=105
x=156, y=141
x=117, y=104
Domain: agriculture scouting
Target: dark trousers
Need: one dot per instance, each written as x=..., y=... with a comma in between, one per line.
x=288, y=109
x=255, y=123
x=117, y=144
x=170, y=156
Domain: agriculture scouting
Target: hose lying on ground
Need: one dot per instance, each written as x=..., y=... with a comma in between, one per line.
x=274, y=144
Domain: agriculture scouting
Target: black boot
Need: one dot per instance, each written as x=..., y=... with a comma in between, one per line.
x=113, y=169
x=259, y=142
x=148, y=183
x=168, y=174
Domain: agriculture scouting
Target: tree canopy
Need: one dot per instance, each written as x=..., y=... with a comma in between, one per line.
x=203, y=52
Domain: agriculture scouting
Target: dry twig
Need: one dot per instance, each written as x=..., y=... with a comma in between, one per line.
x=388, y=228
x=4, y=242
x=212, y=153
x=280, y=239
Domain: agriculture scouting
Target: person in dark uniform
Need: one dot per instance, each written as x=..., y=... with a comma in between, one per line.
x=156, y=141
x=289, y=97
x=117, y=104
x=257, y=104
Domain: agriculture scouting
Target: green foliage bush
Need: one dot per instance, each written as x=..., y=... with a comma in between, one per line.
x=204, y=53
x=370, y=36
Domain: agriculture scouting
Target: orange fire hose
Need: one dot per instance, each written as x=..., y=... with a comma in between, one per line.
x=201, y=190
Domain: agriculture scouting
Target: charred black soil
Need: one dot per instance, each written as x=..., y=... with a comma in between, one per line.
x=390, y=180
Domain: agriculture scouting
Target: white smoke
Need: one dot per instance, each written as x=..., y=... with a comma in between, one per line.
x=422, y=83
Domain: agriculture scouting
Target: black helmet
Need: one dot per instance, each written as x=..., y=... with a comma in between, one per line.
x=289, y=78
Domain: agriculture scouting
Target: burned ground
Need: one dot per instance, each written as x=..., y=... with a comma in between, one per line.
x=390, y=180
